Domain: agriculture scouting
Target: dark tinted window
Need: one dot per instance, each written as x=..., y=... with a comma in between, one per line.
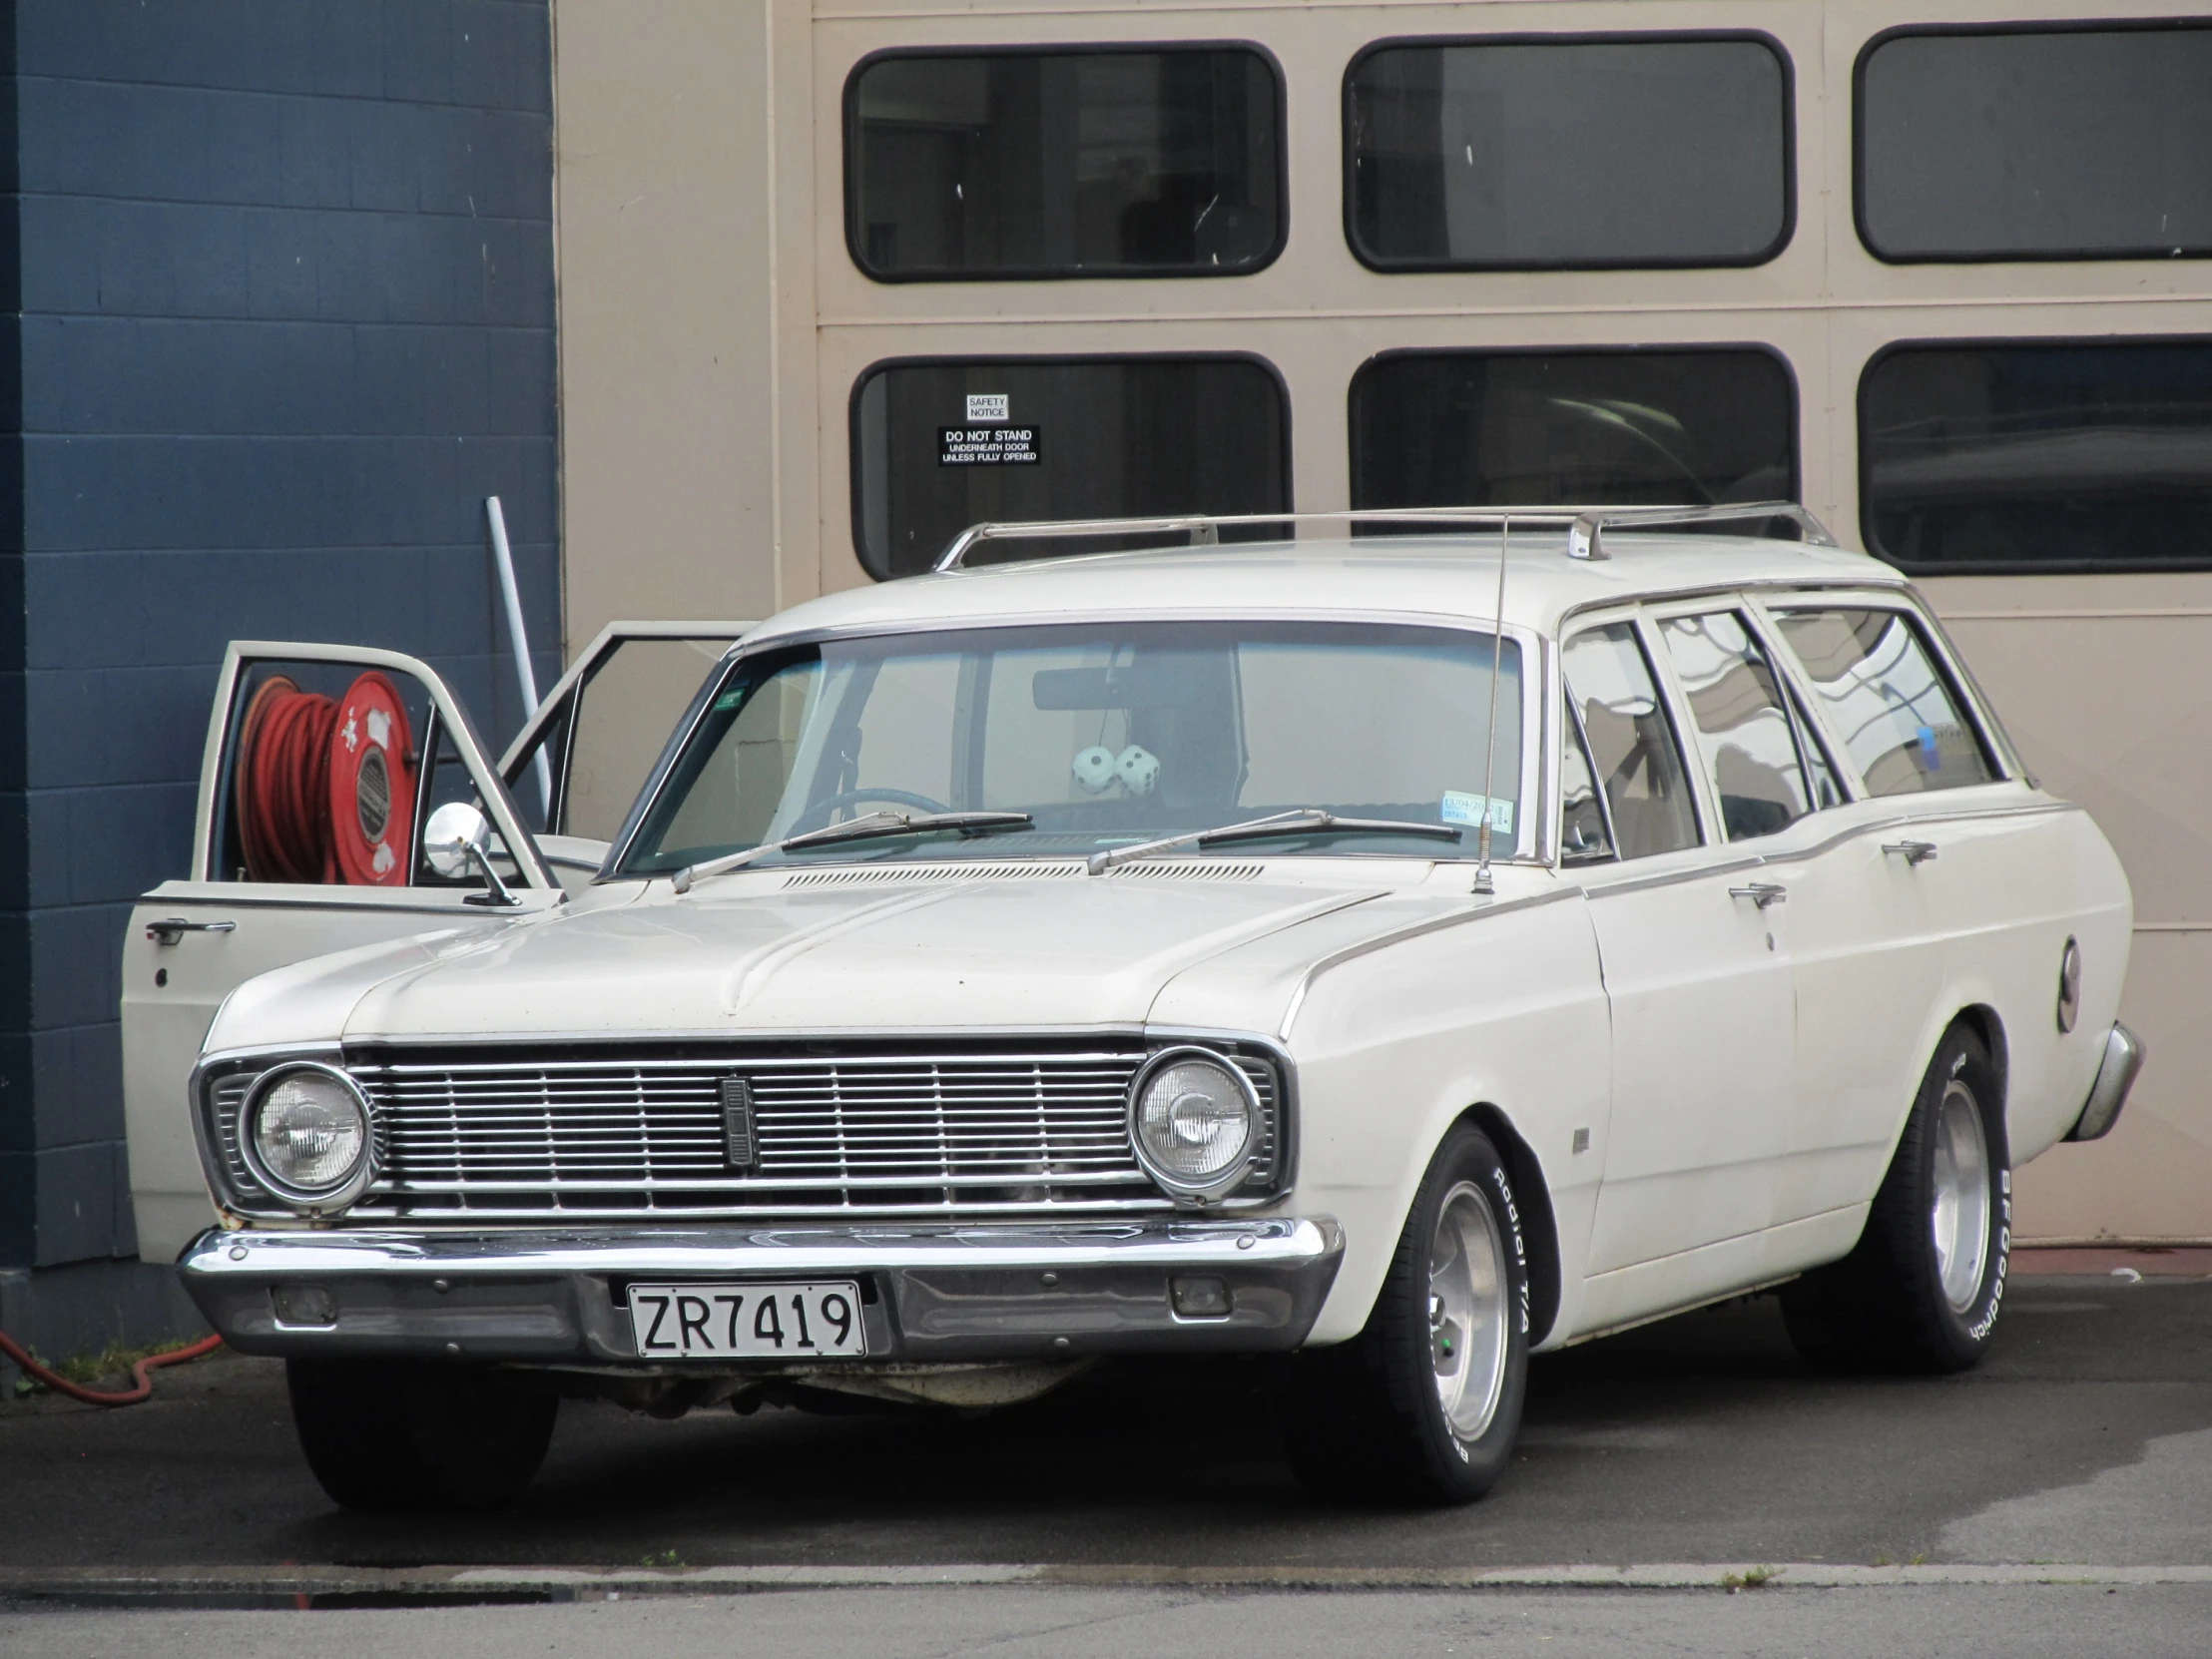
x=939, y=446
x=1568, y=153
x=2054, y=143
x=1064, y=164
x=1473, y=428
x=2090, y=456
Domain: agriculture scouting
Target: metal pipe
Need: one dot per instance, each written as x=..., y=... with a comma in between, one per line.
x=518, y=636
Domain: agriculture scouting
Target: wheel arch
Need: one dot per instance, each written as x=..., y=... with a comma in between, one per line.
x=1988, y=1026
x=1539, y=1226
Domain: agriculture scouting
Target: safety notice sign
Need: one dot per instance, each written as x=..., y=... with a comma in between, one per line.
x=987, y=446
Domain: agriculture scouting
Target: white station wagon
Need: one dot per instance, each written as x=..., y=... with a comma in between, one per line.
x=1396, y=952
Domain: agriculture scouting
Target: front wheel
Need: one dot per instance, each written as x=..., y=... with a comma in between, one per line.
x=1922, y=1290
x=1422, y=1407
x=413, y=1435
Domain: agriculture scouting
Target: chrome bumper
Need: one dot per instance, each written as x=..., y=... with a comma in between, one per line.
x=952, y=1292
x=2123, y=1058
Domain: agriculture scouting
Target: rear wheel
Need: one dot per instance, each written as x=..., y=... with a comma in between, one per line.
x=411, y=1435
x=1424, y=1404
x=1922, y=1290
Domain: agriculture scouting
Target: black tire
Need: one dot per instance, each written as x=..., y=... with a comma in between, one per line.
x=1363, y=1421
x=1885, y=1306
x=411, y=1435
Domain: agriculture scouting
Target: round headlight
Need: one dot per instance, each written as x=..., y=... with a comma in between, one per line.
x=307, y=1136
x=1195, y=1121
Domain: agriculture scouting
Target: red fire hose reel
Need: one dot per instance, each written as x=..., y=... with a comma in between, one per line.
x=325, y=786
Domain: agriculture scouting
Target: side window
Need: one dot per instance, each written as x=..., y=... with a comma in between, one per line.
x=1742, y=727
x=1584, y=837
x=1633, y=747
x=1902, y=723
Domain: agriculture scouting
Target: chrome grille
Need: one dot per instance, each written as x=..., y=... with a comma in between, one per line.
x=492, y=1137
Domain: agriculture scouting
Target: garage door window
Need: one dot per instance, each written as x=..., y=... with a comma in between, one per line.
x=1494, y=429
x=965, y=167
x=1568, y=151
x=2037, y=144
x=1887, y=700
x=939, y=446
x=2090, y=456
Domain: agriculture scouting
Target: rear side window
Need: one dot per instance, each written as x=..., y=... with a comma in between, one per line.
x=2037, y=144
x=1902, y=722
x=1632, y=745
x=939, y=446
x=1568, y=151
x=1751, y=748
x=970, y=167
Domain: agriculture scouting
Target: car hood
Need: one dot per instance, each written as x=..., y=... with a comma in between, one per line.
x=1022, y=952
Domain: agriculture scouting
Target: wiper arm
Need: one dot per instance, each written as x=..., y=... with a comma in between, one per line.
x=868, y=826
x=1298, y=821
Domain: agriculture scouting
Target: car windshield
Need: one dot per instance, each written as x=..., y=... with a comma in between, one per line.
x=1105, y=733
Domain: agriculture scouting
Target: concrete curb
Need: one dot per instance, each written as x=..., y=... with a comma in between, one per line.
x=293, y=1586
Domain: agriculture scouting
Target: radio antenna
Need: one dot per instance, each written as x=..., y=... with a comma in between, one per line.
x=1482, y=882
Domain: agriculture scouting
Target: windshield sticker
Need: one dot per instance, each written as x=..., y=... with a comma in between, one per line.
x=726, y=700
x=987, y=446
x=1462, y=808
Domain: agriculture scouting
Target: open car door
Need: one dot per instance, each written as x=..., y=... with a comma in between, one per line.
x=321, y=769
x=577, y=764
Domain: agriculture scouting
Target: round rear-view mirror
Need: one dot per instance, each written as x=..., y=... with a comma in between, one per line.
x=453, y=830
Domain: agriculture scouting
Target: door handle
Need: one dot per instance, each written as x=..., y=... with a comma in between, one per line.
x=1914, y=854
x=1761, y=894
x=172, y=928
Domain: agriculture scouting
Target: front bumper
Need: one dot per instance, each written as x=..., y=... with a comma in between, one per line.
x=929, y=1294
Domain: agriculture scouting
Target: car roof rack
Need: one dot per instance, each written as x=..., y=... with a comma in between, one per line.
x=1585, y=525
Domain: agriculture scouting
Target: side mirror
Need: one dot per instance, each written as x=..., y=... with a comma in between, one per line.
x=454, y=839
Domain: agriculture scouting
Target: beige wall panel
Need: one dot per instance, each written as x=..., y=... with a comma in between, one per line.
x=2151, y=1178
x=666, y=353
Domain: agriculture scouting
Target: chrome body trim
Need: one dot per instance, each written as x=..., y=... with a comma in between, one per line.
x=1383, y=941
x=945, y=1292
x=2124, y=1053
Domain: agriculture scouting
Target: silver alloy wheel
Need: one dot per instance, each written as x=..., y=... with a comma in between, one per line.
x=1959, y=1212
x=1468, y=1310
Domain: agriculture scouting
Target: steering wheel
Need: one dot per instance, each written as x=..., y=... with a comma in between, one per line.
x=816, y=816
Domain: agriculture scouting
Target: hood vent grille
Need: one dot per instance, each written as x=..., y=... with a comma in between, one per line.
x=1190, y=870
x=883, y=875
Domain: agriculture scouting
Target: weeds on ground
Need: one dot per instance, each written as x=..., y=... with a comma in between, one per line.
x=1751, y=1578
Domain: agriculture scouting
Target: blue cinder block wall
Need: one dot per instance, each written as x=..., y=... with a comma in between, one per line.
x=279, y=293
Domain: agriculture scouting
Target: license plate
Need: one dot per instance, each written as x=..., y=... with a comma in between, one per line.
x=747, y=1322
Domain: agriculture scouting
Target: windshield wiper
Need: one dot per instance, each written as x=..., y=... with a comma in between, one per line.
x=868, y=826
x=1300, y=820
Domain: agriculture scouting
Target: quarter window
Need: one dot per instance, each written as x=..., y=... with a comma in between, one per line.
x=1632, y=743
x=2037, y=144
x=1568, y=153
x=1743, y=727
x=2043, y=457
x=939, y=446
x=1099, y=163
x=1888, y=701
x=1492, y=428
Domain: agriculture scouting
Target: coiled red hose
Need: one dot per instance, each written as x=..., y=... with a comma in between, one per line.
x=284, y=783
x=93, y=1397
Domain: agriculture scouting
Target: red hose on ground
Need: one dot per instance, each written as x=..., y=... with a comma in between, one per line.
x=92, y=1396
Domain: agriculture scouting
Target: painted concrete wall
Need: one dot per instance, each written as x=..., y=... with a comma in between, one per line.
x=284, y=270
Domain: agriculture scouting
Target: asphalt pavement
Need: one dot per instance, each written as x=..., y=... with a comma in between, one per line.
x=1149, y=1510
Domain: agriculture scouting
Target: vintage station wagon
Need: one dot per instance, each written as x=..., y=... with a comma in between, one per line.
x=1395, y=947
